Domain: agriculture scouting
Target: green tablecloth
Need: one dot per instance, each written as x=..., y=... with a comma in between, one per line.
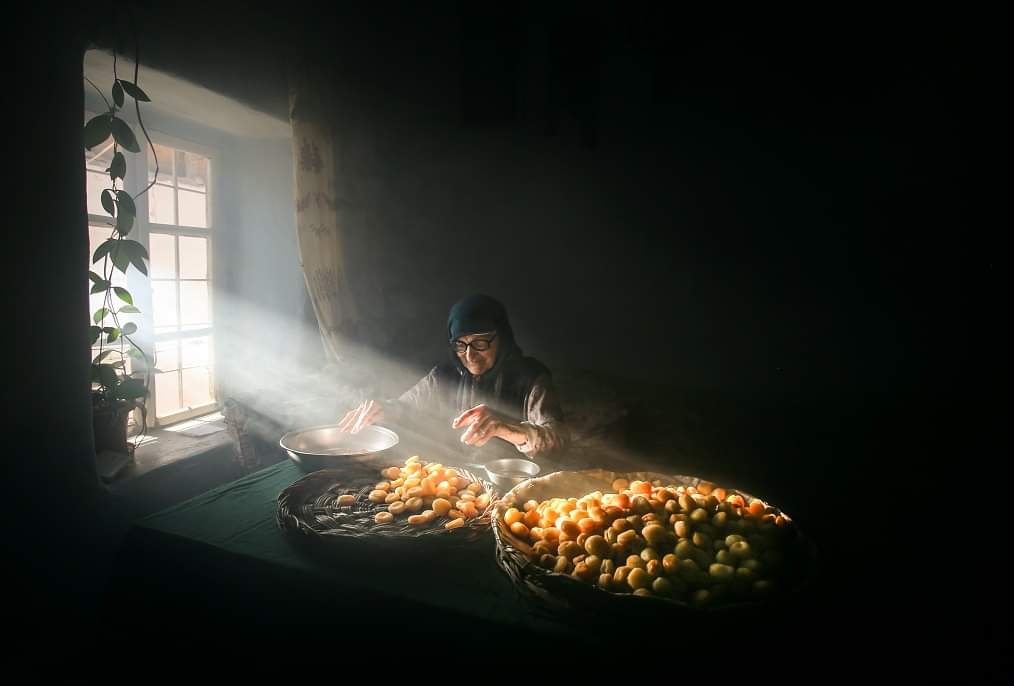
x=228, y=538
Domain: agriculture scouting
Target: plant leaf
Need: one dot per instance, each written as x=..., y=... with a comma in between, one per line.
x=125, y=212
x=118, y=167
x=118, y=94
x=139, y=263
x=107, y=376
x=131, y=389
x=95, y=277
x=95, y=332
x=97, y=130
x=124, y=295
x=101, y=356
x=113, y=335
x=107, y=202
x=104, y=249
x=125, y=203
x=123, y=134
x=100, y=287
x=128, y=328
x=124, y=223
x=134, y=91
x=100, y=314
x=129, y=309
x=121, y=260
x=136, y=254
x=141, y=251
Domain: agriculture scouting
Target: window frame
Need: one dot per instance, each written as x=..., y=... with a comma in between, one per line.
x=176, y=230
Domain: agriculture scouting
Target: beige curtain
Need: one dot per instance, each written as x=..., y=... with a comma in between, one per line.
x=320, y=250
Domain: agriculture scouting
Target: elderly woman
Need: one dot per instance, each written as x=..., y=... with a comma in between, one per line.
x=488, y=388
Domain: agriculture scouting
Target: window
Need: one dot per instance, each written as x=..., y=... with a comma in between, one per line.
x=179, y=244
x=175, y=320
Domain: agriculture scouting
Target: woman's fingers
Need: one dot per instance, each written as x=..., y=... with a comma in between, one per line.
x=348, y=420
x=370, y=411
x=468, y=435
x=376, y=413
x=481, y=430
x=482, y=438
x=467, y=416
x=363, y=415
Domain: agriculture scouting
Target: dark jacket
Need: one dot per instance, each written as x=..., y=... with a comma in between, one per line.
x=517, y=386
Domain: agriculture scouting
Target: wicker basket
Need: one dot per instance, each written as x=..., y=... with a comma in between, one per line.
x=554, y=594
x=309, y=508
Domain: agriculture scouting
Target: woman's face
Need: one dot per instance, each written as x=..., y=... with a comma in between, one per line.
x=477, y=361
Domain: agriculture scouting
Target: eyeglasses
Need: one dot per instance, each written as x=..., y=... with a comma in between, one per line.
x=478, y=345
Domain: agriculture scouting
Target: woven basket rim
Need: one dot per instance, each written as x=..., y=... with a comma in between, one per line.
x=357, y=521
x=525, y=571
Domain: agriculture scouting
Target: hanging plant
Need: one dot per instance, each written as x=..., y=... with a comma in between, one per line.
x=112, y=386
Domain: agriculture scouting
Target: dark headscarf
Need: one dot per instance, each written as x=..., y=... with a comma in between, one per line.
x=507, y=383
x=479, y=314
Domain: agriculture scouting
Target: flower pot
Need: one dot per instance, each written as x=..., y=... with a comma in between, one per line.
x=109, y=422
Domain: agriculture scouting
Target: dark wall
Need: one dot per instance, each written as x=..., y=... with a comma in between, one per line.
x=57, y=516
x=716, y=209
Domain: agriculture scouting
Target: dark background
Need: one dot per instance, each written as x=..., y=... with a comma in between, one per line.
x=764, y=225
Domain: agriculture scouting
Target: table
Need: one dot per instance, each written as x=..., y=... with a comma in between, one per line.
x=220, y=559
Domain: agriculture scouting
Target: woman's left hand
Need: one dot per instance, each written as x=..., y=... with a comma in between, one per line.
x=483, y=424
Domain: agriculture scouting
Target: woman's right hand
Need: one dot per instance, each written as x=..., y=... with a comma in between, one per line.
x=362, y=416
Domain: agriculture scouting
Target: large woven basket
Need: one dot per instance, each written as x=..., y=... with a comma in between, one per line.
x=309, y=508
x=556, y=594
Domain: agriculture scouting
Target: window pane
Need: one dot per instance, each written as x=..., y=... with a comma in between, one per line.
x=165, y=164
x=96, y=236
x=123, y=319
x=163, y=256
x=195, y=351
x=163, y=303
x=196, y=386
x=167, y=393
x=160, y=205
x=193, y=258
x=100, y=157
x=97, y=182
x=191, y=171
x=97, y=160
x=167, y=356
x=194, y=302
x=193, y=208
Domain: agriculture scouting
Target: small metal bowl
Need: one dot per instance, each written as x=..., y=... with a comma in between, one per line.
x=320, y=447
x=508, y=473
